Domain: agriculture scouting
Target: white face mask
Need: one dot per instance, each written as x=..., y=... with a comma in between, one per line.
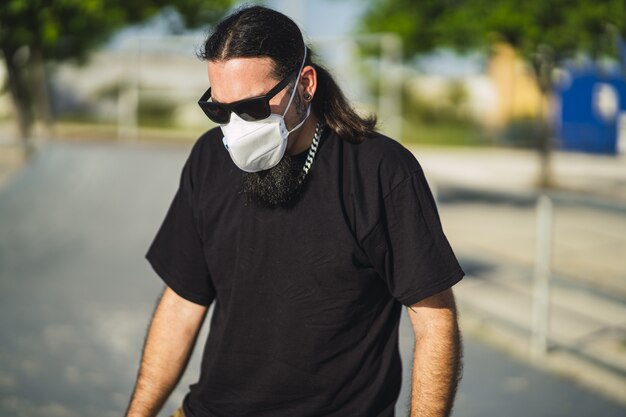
x=258, y=145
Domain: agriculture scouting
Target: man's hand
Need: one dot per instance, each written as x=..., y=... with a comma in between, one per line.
x=170, y=341
x=437, y=362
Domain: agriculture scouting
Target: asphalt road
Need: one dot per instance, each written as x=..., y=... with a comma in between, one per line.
x=77, y=294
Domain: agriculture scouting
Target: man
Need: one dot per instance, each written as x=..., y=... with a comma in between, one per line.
x=309, y=231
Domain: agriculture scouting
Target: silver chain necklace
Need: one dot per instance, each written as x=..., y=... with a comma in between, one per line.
x=319, y=129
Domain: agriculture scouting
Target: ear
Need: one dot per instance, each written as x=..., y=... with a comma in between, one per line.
x=308, y=83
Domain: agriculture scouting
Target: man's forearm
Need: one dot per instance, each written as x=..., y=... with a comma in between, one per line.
x=168, y=346
x=437, y=367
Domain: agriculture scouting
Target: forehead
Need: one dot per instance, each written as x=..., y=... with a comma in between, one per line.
x=238, y=78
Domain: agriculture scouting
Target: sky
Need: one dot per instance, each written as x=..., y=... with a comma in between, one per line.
x=322, y=18
x=319, y=19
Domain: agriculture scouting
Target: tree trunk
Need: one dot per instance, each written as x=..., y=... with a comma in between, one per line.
x=17, y=75
x=42, y=95
x=543, y=64
x=544, y=179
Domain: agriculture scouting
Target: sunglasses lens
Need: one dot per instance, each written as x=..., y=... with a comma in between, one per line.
x=216, y=112
x=253, y=110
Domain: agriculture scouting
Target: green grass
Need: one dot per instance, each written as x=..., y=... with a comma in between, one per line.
x=414, y=132
x=443, y=134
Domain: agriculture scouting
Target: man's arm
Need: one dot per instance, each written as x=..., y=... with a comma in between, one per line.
x=169, y=343
x=437, y=365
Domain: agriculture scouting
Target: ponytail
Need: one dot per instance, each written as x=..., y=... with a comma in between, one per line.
x=335, y=111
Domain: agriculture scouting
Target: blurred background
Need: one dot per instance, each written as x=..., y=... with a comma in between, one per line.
x=516, y=111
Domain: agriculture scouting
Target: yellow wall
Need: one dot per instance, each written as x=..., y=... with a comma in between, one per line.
x=517, y=93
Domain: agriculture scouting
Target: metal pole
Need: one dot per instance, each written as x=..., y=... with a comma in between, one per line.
x=541, y=291
x=296, y=10
x=389, y=100
x=390, y=77
x=128, y=100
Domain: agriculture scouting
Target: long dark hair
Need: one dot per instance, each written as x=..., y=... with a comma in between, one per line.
x=261, y=32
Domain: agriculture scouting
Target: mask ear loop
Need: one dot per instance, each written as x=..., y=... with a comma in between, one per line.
x=295, y=87
x=308, y=111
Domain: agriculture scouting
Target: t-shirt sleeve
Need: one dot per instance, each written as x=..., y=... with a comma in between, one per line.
x=176, y=253
x=408, y=247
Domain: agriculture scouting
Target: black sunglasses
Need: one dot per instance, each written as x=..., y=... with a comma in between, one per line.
x=249, y=109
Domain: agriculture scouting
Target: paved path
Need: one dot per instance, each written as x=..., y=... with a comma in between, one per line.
x=516, y=170
x=488, y=209
x=76, y=295
x=11, y=158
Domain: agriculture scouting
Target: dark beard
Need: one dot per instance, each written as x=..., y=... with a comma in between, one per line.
x=282, y=184
x=277, y=186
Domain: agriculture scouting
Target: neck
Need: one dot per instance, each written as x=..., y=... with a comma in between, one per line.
x=301, y=139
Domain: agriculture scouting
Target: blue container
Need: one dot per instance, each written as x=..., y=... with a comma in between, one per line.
x=589, y=103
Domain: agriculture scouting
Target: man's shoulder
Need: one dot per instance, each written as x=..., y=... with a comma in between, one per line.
x=209, y=140
x=383, y=155
x=208, y=148
x=208, y=159
x=377, y=163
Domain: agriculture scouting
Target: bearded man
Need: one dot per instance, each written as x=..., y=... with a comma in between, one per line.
x=308, y=231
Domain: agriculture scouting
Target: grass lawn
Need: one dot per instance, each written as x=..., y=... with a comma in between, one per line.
x=415, y=132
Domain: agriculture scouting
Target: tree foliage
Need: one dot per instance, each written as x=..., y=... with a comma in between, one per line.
x=566, y=26
x=70, y=28
x=36, y=31
x=543, y=32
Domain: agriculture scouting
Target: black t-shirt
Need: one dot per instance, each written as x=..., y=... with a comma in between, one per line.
x=307, y=298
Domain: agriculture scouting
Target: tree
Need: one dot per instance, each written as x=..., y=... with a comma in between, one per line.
x=544, y=33
x=33, y=32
